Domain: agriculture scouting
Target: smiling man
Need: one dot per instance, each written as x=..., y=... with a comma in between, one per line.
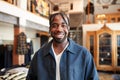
x=62, y=58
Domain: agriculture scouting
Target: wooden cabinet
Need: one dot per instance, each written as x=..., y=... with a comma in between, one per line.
x=117, y=40
x=104, y=45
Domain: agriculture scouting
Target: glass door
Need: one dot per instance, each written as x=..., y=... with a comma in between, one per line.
x=105, y=49
x=118, y=50
x=90, y=39
x=92, y=45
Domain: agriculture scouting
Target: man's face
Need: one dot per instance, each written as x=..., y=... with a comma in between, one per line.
x=59, y=29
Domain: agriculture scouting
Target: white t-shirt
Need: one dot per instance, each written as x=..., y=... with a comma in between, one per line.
x=57, y=59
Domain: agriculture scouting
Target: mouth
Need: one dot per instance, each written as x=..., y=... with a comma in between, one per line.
x=59, y=35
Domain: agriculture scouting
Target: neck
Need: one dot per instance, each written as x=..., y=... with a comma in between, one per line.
x=62, y=44
x=58, y=47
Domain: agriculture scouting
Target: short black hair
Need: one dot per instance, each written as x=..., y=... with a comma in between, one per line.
x=52, y=16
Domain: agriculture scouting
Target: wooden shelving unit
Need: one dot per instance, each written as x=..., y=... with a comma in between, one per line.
x=104, y=45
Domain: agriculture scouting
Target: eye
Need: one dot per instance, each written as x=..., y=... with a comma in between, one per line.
x=64, y=25
x=54, y=25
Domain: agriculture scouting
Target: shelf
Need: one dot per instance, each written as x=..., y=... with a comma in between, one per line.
x=107, y=18
x=104, y=45
x=105, y=61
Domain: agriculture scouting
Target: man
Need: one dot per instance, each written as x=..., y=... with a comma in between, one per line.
x=62, y=58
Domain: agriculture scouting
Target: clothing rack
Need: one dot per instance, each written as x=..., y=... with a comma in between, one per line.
x=6, y=55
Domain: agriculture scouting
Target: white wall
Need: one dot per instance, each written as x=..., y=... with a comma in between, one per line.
x=22, y=4
x=95, y=27
x=6, y=31
x=36, y=44
x=31, y=34
x=77, y=6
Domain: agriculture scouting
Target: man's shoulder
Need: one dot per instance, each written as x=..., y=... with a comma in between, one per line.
x=77, y=48
x=75, y=45
x=44, y=49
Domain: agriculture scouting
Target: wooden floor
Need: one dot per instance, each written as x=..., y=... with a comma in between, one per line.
x=108, y=76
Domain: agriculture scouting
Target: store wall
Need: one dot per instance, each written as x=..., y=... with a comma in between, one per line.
x=7, y=35
x=77, y=7
x=36, y=45
x=6, y=31
x=31, y=34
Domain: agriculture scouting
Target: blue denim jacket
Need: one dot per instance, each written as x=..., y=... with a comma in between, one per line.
x=76, y=64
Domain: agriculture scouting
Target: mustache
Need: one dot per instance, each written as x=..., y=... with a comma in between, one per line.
x=59, y=32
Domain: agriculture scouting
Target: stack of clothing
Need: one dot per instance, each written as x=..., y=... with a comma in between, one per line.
x=18, y=73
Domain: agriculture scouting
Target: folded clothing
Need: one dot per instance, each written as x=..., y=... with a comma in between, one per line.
x=15, y=74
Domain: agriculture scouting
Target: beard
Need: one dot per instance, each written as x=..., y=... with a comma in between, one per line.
x=59, y=40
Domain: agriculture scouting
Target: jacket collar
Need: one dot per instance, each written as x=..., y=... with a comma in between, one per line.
x=72, y=47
